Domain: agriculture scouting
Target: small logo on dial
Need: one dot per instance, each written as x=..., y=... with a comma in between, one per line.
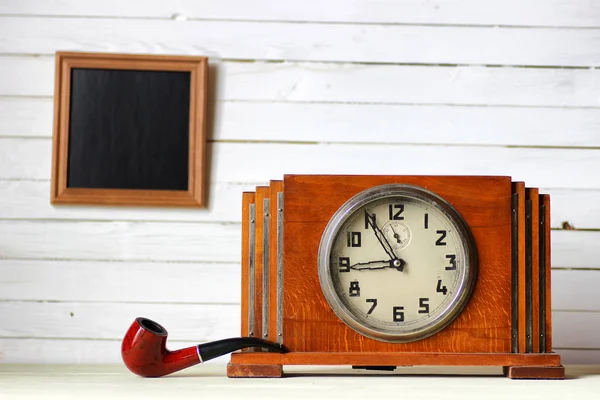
x=397, y=234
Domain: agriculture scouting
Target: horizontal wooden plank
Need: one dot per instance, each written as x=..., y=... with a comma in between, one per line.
x=230, y=162
x=76, y=351
x=189, y=323
x=26, y=116
x=121, y=241
x=59, y=351
x=575, y=290
x=576, y=329
x=574, y=356
x=360, y=123
x=88, y=281
x=564, y=168
x=307, y=42
x=580, y=13
x=322, y=82
x=29, y=200
x=578, y=208
x=190, y=242
x=52, y=351
x=575, y=249
x=110, y=321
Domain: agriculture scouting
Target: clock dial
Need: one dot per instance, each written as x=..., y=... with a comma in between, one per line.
x=397, y=263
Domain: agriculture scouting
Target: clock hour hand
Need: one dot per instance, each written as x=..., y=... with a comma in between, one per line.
x=379, y=235
x=397, y=264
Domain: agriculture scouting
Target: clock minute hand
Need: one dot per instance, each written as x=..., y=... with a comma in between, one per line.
x=378, y=234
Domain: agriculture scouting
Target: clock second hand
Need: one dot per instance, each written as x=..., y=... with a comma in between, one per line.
x=396, y=235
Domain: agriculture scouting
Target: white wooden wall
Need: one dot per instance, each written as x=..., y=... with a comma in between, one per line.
x=506, y=87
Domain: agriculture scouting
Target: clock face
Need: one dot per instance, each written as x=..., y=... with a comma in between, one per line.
x=397, y=263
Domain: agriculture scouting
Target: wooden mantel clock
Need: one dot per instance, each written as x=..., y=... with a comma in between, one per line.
x=386, y=271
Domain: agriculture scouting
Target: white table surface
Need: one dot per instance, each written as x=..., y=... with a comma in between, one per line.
x=209, y=381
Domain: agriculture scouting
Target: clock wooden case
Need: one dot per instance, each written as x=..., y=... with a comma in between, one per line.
x=505, y=321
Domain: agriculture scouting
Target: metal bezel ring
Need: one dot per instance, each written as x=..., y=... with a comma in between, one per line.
x=379, y=193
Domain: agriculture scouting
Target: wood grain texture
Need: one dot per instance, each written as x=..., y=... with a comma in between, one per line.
x=570, y=13
x=545, y=200
x=109, y=320
x=254, y=371
x=398, y=359
x=274, y=188
x=361, y=84
x=247, y=200
x=297, y=116
x=309, y=323
x=519, y=189
x=262, y=192
x=61, y=193
x=344, y=122
x=532, y=194
x=49, y=280
x=575, y=13
x=23, y=159
x=520, y=372
x=177, y=241
x=59, y=351
x=120, y=241
x=121, y=282
x=23, y=199
x=198, y=322
x=317, y=42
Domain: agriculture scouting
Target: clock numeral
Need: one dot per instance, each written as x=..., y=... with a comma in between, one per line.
x=374, y=301
x=370, y=219
x=354, y=289
x=452, y=259
x=426, y=222
x=344, y=264
x=396, y=216
x=354, y=239
x=440, y=288
x=424, y=305
x=398, y=314
x=440, y=241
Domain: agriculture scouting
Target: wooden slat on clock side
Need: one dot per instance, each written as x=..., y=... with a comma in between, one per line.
x=247, y=199
x=519, y=188
x=398, y=359
x=262, y=192
x=547, y=266
x=275, y=187
x=484, y=325
x=533, y=195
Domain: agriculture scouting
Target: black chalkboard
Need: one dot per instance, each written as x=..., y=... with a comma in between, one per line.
x=128, y=124
x=129, y=129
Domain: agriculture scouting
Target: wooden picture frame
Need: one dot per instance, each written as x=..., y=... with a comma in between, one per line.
x=126, y=132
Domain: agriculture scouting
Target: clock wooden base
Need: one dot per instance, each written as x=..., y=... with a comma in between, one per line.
x=515, y=366
x=506, y=321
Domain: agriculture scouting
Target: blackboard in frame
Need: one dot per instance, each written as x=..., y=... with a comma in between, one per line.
x=129, y=129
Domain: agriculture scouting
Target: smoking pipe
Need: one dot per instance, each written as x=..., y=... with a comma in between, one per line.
x=144, y=349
